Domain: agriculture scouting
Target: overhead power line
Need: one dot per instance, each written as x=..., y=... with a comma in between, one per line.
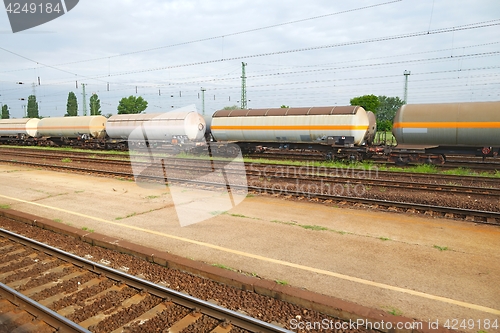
x=319, y=70
x=234, y=33
x=366, y=41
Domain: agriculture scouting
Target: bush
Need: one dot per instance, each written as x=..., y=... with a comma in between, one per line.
x=384, y=126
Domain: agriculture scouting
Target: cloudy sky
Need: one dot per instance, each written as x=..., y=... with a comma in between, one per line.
x=298, y=53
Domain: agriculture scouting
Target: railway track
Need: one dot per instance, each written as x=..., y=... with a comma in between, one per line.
x=466, y=163
x=73, y=294
x=311, y=174
x=471, y=215
x=454, y=162
x=380, y=189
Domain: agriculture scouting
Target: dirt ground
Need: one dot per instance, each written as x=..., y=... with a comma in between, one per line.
x=428, y=269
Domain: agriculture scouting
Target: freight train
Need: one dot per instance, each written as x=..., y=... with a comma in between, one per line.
x=425, y=133
x=179, y=127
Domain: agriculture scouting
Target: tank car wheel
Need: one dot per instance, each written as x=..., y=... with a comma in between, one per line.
x=355, y=158
x=401, y=161
x=233, y=151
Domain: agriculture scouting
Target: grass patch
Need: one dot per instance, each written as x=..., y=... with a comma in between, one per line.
x=106, y=152
x=384, y=138
x=224, y=267
x=423, y=168
x=240, y=215
x=310, y=227
x=126, y=217
x=80, y=191
x=441, y=248
x=152, y=197
x=218, y=212
x=66, y=160
x=58, y=220
x=4, y=206
x=313, y=227
x=384, y=238
x=366, y=165
x=87, y=229
x=395, y=311
x=459, y=172
x=283, y=222
x=281, y=282
x=125, y=180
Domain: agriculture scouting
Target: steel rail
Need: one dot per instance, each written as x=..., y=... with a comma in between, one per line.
x=368, y=201
x=459, y=189
x=115, y=160
x=51, y=318
x=318, y=156
x=237, y=319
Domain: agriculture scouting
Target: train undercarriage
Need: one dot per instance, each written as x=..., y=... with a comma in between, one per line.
x=402, y=155
x=331, y=151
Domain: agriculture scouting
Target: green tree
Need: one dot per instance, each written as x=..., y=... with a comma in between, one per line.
x=72, y=105
x=95, y=105
x=232, y=107
x=131, y=105
x=284, y=106
x=368, y=102
x=5, y=112
x=32, y=107
x=384, y=107
x=388, y=107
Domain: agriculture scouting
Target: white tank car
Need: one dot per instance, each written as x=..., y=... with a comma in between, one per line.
x=311, y=124
x=158, y=126
x=73, y=127
x=15, y=127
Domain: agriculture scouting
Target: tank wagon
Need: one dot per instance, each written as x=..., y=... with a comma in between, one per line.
x=71, y=130
x=348, y=129
x=429, y=132
x=175, y=125
x=19, y=131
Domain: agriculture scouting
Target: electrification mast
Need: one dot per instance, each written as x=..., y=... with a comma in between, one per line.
x=406, y=74
x=84, y=100
x=243, y=86
x=203, y=100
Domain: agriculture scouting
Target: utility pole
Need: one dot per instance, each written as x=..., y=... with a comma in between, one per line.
x=406, y=74
x=243, y=86
x=203, y=100
x=84, y=100
x=33, y=87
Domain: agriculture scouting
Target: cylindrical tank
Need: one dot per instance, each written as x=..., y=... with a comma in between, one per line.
x=24, y=126
x=372, y=127
x=158, y=126
x=311, y=124
x=72, y=127
x=448, y=124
